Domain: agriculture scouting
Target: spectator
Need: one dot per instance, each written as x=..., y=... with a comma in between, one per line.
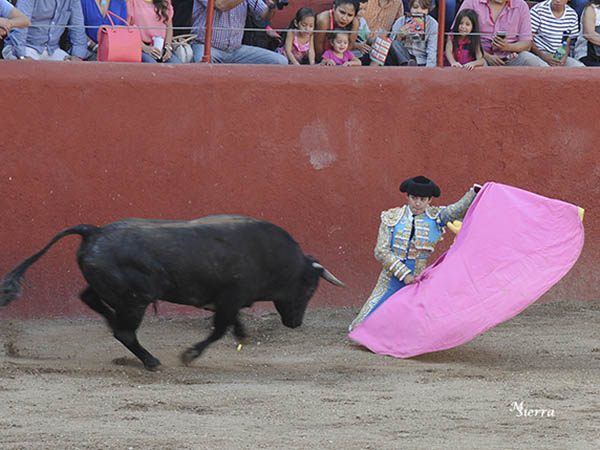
x=550, y=21
x=506, y=31
x=11, y=17
x=338, y=54
x=587, y=48
x=380, y=15
x=94, y=15
x=463, y=48
x=299, y=45
x=407, y=237
x=40, y=40
x=450, y=11
x=364, y=39
x=341, y=17
x=421, y=46
x=228, y=24
x=155, y=20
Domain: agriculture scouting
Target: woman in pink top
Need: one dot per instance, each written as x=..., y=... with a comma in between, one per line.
x=342, y=16
x=155, y=19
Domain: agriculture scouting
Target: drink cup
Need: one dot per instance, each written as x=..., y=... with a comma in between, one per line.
x=158, y=42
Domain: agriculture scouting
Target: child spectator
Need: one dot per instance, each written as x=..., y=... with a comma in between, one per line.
x=551, y=21
x=11, y=17
x=155, y=19
x=422, y=45
x=299, y=45
x=364, y=40
x=587, y=48
x=463, y=48
x=338, y=54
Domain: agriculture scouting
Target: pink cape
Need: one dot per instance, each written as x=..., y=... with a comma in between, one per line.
x=513, y=246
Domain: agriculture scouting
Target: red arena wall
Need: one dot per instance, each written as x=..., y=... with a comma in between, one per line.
x=319, y=151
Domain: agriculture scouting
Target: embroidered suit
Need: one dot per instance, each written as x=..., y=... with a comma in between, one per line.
x=404, y=243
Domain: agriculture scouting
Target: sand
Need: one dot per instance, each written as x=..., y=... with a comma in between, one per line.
x=531, y=382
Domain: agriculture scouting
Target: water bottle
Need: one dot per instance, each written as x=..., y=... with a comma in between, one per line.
x=561, y=51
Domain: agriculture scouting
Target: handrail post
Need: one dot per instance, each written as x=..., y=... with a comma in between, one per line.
x=210, y=13
x=441, y=31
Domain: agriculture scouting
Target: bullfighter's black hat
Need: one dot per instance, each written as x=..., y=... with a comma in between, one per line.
x=420, y=186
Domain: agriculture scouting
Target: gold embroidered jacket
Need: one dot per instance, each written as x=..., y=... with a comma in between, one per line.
x=395, y=249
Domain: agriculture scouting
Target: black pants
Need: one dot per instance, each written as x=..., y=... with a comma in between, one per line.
x=398, y=55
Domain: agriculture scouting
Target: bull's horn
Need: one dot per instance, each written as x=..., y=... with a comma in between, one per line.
x=328, y=275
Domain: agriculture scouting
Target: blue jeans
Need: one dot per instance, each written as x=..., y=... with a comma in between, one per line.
x=149, y=59
x=246, y=54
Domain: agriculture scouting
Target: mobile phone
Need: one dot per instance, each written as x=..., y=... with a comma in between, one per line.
x=501, y=34
x=416, y=25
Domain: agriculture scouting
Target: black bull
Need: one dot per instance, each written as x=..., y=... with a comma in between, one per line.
x=221, y=262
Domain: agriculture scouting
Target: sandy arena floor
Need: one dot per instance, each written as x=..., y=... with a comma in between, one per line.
x=68, y=384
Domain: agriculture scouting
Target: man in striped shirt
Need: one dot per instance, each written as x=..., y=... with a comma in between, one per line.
x=228, y=30
x=550, y=20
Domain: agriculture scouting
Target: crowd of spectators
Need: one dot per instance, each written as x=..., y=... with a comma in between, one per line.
x=351, y=32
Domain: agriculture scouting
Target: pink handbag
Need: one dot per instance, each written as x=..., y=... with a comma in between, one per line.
x=119, y=43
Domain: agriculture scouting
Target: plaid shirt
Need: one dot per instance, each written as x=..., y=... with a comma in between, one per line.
x=382, y=18
x=227, y=25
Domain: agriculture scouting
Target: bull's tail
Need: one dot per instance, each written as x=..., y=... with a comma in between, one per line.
x=323, y=272
x=10, y=287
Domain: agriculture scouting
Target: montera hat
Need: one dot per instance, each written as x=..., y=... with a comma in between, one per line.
x=420, y=187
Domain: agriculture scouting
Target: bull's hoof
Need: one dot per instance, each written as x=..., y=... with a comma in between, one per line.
x=189, y=355
x=152, y=365
x=155, y=368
